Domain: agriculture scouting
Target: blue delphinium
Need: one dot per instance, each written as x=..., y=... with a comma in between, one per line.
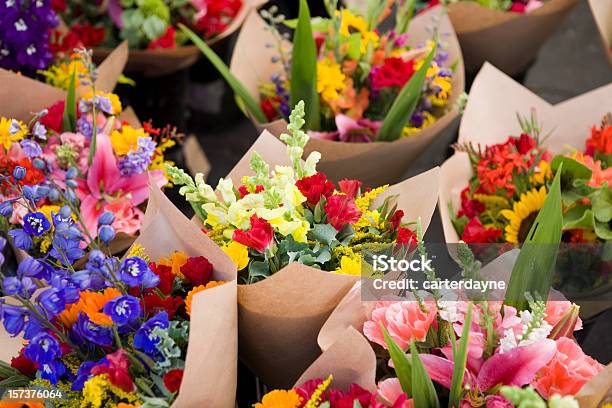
x=145, y=338
x=135, y=271
x=123, y=309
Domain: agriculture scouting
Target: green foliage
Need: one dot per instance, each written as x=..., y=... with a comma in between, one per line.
x=70, y=110
x=403, y=366
x=460, y=361
x=423, y=391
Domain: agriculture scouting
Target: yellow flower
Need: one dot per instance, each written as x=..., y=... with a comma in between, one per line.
x=48, y=209
x=238, y=253
x=349, y=266
x=11, y=130
x=363, y=202
x=60, y=75
x=444, y=86
x=198, y=289
x=176, y=261
x=543, y=172
x=428, y=119
x=315, y=398
x=90, y=303
x=368, y=219
x=351, y=24
x=98, y=389
x=126, y=140
x=139, y=251
x=523, y=214
x=330, y=80
x=280, y=399
x=114, y=100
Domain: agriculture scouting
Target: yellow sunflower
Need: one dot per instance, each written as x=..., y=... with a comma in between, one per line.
x=523, y=214
x=350, y=23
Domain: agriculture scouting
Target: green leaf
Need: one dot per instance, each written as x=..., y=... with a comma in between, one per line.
x=251, y=104
x=258, y=269
x=354, y=46
x=601, y=201
x=534, y=267
x=572, y=172
x=304, y=69
x=70, y=110
x=404, y=104
x=423, y=391
x=323, y=233
x=460, y=360
x=154, y=27
x=403, y=367
x=318, y=24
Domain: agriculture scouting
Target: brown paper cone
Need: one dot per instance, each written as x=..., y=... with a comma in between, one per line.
x=387, y=161
x=602, y=12
x=597, y=391
x=350, y=360
x=508, y=40
x=20, y=96
x=279, y=318
x=210, y=373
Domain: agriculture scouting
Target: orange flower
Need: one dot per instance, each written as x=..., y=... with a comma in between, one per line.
x=197, y=290
x=176, y=261
x=280, y=399
x=599, y=176
x=90, y=303
x=5, y=404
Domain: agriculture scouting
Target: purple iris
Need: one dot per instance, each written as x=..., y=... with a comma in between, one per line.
x=145, y=339
x=36, y=224
x=123, y=309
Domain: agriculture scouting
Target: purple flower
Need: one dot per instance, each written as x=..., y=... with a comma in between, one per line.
x=52, y=371
x=19, y=172
x=43, y=348
x=134, y=271
x=123, y=309
x=88, y=331
x=13, y=319
x=138, y=161
x=21, y=239
x=145, y=339
x=30, y=267
x=52, y=300
x=24, y=287
x=6, y=208
x=36, y=224
x=40, y=131
x=82, y=375
x=31, y=148
x=85, y=127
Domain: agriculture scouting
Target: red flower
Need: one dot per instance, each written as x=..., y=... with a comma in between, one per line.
x=315, y=186
x=475, y=233
x=269, y=108
x=393, y=72
x=219, y=13
x=33, y=175
x=24, y=365
x=600, y=140
x=88, y=35
x=243, y=190
x=518, y=7
x=258, y=237
x=197, y=270
x=153, y=303
x=341, y=210
x=53, y=119
x=165, y=41
x=117, y=370
x=166, y=277
x=341, y=399
x=470, y=208
x=350, y=187
x=525, y=143
x=58, y=5
x=396, y=219
x=172, y=380
x=405, y=236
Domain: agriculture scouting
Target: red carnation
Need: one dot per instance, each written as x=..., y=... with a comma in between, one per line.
x=153, y=303
x=244, y=191
x=475, y=233
x=53, y=119
x=393, y=72
x=24, y=365
x=405, y=236
x=165, y=41
x=315, y=186
x=258, y=237
x=197, y=270
x=396, y=219
x=341, y=210
x=117, y=370
x=470, y=208
x=350, y=187
x=166, y=277
x=172, y=380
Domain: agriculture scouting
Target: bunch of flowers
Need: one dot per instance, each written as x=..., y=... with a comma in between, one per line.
x=510, y=183
x=111, y=332
x=25, y=28
x=83, y=150
x=293, y=214
x=147, y=24
x=517, y=6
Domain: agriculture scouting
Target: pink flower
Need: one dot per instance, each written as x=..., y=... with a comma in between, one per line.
x=557, y=310
x=497, y=401
x=567, y=371
x=128, y=218
x=341, y=210
x=350, y=187
x=390, y=391
x=405, y=322
x=356, y=131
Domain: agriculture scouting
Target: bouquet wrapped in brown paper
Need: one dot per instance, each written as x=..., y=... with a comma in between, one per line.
x=157, y=327
x=297, y=242
x=602, y=12
x=373, y=95
x=509, y=40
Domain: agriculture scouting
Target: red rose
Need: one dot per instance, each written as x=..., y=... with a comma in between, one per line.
x=172, y=380
x=525, y=143
x=165, y=41
x=405, y=236
x=393, y=72
x=53, y=119
x=166, y=277
x=244, y=191
x=341, y=210
x=152, y=303
x=197, y=270
x=117, y=370
x=258, y=237
x=475, y=233
x=24, y=365
x=315, y=186
x=396, y=219
x=350, y=187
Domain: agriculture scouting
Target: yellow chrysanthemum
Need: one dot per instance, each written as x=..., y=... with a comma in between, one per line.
x=543, y=173
x=280, y=399
x=126, y=140
x=238, y=253
x=176, y=261
x=330, y=80
x=90, y=303
x=523, y=214
x=11, y=130
x=349, y=266
x=351, y=23
x=198, y=289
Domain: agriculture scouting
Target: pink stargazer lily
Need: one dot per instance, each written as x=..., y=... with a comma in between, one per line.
x=351, y=130
x=105, y=184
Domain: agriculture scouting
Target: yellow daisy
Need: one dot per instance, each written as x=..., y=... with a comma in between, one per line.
x=523, y=214
x=11, y=130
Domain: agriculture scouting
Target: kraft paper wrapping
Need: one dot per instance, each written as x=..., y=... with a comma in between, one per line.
x=598, y=391
x=508, y=40
x=602, y=12
x=164, y=61
x=20, y=96
x=490, y=117
x=279, y=317
x=210, y=373
x=387, y=161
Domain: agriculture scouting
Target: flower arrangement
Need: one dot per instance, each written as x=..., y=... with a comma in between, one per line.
x=511, y=180
x=79, y=147
x=145, y=24
x=360, y=83
x=293, y=214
